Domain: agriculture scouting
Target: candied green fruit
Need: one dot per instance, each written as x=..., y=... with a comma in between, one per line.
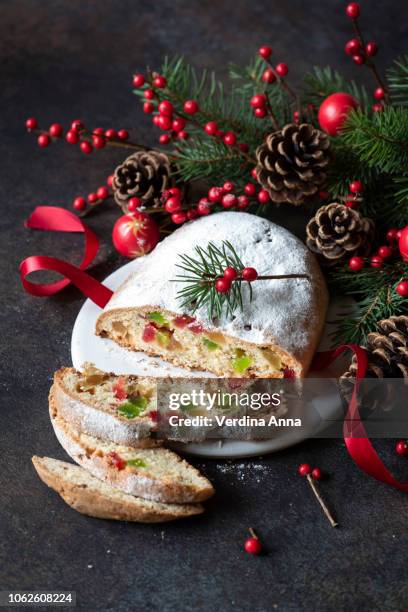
x=136, y=463
x=212, y=346
x=158, y=318
x=133, y=407
x=241, y=362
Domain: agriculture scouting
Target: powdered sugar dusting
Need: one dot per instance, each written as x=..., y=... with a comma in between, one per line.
x=281, y=311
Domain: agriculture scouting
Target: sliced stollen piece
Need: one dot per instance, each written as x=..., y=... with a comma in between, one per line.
x=117, y=408
x=151, y=473
x=276, y=332
x=88, y=495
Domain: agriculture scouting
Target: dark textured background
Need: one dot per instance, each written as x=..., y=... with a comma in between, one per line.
x=64, y=59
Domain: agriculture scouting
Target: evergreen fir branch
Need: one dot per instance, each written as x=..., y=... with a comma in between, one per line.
x=380, y=140
x=323, y=82
x=398, y=81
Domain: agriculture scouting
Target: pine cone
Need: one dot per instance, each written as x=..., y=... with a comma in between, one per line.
x=387, y=350
x=337, y=232
x=292, y=163
x=145, y=174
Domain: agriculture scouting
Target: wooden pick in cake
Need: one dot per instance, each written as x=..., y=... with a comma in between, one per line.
x=275, y=332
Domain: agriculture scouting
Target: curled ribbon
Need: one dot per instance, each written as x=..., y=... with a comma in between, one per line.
x=357, y=442
x=52, y=218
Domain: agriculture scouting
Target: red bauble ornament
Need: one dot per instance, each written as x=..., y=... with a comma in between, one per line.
x=253, y=546
x=222, y=285
x=135, y=235
x=356, y=264
x=353, y=10
x=402, y=288
x=265, y=51
x=249, y=274
x=304, y=469
x=401, y=448
x=334, y=111
x=403, y=243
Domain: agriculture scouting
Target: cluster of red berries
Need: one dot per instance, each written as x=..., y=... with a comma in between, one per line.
x=77, y=134
x=305, y=469
x=224, y=283
x=80, y=204
x=269, y=76
x=362, y=53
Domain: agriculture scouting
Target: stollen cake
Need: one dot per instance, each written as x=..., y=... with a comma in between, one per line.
x=275, y=333
x=88, y=495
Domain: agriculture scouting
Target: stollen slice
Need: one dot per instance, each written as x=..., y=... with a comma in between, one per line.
x=88, y=495
x=151, y=473
x=121, y=409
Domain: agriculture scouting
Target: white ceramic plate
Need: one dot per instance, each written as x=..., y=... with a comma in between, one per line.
x=106, y=355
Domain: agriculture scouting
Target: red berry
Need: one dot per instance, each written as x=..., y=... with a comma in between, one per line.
x=172, y=205
x=31, y=123
x=258, y=101
x=402, y=288
x=243, y=202
x=384, y=252
x=296, y=116
x=190, y=107
x=265, y=51
x=352, y=47
x=377, y=107
x=269, y=76
x=148, y=94
x=77, y=125
x=358, y=59
x=134, y=204
x=356, y=264
x=401, y=448
x=138, y=80
x=99, y=131
x=166, y=108
x=204, y=207
x=351, y=204
x=123, y=134
x=228, y=186
x=175, y=191
x=178, y=124
x=230, y=139
x=317, y=473
x=164, y=139
x=164, y=122
x=182, y=135
x=392, y=234
x=102, y=193
x=356, y=187
x=263, y=196
x=110, y=134
x=304, y=469
x=178, y=217
x=55, y=130
x=192, y=214
x=254, y=174
x=243, y=147
x=220, y=134
x=215, y=194
x=229, y=200
x=43, y=140
x=109, y=180
x=86, y=147
x=260, y=113
x=371, y=48
x=159, y=81
x=230, y=273
x=249, y=274
x=79, y=204
x=250, y=189
x=156, y=120
x=98, y=141
x=92, y=198
x=353, y=10
x=211, y=128
x=148, y=108
x=282, y=69
x=379, y=93
x=376, y=261
x=253, y=546
x=222, y=285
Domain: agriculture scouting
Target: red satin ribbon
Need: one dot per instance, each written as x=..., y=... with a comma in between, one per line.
x=51, y=218
x=358, y=444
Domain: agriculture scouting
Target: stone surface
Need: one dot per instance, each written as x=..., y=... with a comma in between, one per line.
x=62, y=60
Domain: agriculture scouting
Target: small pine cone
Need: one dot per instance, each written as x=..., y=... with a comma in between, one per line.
x=387, y=350
x=292, y=163
x=145, y=174
x=337, y=232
